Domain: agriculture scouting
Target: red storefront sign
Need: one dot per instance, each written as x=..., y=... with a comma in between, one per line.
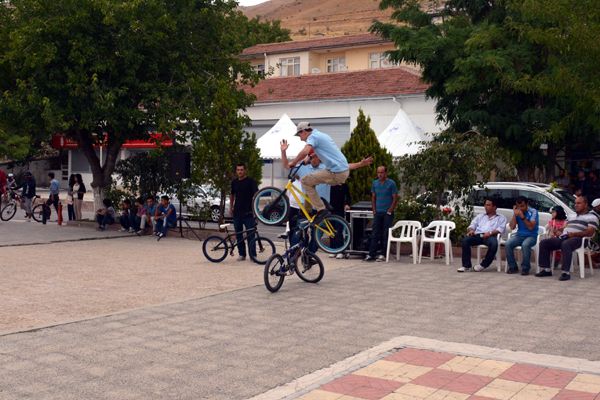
x=155, y=140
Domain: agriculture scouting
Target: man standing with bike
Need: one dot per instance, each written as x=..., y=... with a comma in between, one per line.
x=28, y=194
x=336, y=169
x=243, y=189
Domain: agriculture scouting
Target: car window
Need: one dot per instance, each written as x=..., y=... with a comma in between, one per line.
x=539, y=201
x=565, y=197
x=505, y=198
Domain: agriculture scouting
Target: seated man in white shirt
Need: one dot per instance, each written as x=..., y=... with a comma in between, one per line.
x=483, y=230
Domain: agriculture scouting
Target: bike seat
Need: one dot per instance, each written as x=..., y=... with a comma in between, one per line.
x=224, y=226
x=283, y=236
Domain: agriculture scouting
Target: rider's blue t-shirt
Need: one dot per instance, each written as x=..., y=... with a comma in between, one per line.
x=329, y=153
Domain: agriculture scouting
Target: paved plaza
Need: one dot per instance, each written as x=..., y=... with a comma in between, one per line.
x=130, y=318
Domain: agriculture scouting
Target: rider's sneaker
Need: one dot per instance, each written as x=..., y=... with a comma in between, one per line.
x=321, y=215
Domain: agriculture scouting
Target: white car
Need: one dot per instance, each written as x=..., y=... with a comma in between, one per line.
x=541, y=196
x=205, y=196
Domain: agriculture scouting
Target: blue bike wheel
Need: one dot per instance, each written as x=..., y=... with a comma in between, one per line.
x=270, y=206
x=333, y=234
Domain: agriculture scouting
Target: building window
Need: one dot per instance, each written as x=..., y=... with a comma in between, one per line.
x=260, y=69
x=289, y=66
x=336, y=64
x=380, y=60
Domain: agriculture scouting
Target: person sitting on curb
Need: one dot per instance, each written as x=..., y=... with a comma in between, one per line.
x=148, y=216
x=125, y=217
x=584, y=225
x=166, y=217
x=105, y=215
x=528, y=220
x=484, y=229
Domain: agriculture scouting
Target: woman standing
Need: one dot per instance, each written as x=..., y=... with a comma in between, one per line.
x=70, y=207
x=78, y=192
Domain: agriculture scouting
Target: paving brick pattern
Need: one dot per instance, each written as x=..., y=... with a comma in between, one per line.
x=413, y=374
x=238, y=344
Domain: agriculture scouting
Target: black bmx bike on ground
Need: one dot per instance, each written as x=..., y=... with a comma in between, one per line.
x=216, y=248
x=297, y=258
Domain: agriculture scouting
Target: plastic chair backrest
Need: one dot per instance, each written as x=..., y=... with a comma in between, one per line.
x=441, y=229
x=407, y=229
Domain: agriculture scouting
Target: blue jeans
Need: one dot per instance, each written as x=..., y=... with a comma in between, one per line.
x=162, y=227
x=244, y=223
x=104, y=220
x=526, y=243
x=382, y=222
x=468, y=241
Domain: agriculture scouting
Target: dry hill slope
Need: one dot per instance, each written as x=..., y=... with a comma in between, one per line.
x=309, y=19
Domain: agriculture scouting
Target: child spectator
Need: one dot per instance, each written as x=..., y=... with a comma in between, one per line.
x=149, y=215
x=166, y=217
x=125, y=217
x=105, y=215
x=556, y=225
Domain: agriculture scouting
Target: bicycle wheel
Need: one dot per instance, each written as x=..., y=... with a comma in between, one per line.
x=214, y=248
x=311, y=268
x=38, y=213
x=8, y=211
x=265, y=248
x=270, y=206
x=333, y=234
x=273, y=277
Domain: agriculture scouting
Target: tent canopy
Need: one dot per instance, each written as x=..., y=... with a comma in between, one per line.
x=400, y=136
x=268, y=144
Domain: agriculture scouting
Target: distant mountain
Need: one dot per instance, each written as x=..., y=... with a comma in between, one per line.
x=310, y=19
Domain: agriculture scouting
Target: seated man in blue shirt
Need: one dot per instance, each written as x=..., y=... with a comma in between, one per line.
x=166, y=217
x=384, y=198
x=336, y=169
x=528, y=220
x=484, y=229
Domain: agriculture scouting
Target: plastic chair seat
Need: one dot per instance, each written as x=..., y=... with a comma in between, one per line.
x=440, y=231
x=409, y=232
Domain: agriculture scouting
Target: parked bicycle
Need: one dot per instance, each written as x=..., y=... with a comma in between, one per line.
x=13, y=201
x=296, y=258
x=271, y=206
x=216, y=248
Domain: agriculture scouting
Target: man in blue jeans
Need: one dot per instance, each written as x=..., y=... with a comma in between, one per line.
x=384, y=198
x=242, y=191
x=528, y=220
x=166, y=217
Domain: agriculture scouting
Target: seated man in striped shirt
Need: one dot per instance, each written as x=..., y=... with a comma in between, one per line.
x=583, y=225
x=484, y=229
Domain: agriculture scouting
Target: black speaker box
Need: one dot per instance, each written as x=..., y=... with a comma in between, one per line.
x=179, y=165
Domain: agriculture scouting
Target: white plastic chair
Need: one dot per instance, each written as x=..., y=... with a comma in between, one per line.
x=579, y=258
x=440, y=231
x=534, y=250
x=409, y=232
x=498, y=252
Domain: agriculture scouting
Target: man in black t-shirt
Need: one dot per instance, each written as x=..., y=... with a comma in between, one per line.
x=242, y=190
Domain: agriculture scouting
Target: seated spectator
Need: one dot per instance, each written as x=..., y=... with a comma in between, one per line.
x=105, y=215
x=527, y=219
x=149, y=215
x=584, y=225
x=138, y=213
x=484, y=229
x=596, y=208
x=125, y=217
x=555, y=226
x=166, y=217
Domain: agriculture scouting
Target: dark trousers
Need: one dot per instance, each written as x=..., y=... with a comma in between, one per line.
x=566, y=247
x=470, y=241
x=338, y=239
x=382, y=222
x=240, y=224
x=71, y=212
x=294, y=218
x=53, y=199
x=125, y=221
x=134, y=221
x=163, y=227
x=104, y=220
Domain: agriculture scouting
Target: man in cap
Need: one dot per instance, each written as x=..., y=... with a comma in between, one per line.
x=336, y=169
x=596, y=208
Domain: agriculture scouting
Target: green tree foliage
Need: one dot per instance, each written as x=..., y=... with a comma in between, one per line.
x=222, y=143
x=493, y=66
x=255, y=31
x=124, y=68
x=453, y=161
x=362, y=143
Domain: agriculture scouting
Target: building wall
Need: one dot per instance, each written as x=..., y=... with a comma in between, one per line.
x=358, y=59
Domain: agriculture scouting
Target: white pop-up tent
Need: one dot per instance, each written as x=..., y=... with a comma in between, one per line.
x=268, y=144
x=401, y=135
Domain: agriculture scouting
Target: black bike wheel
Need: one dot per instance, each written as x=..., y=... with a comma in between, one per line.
x=310, y=269
x=38, y=213
x=214, y=249
x=270, y=207
x=265, y=248
x=273, y=277
x=333, y=234
x=8, y=211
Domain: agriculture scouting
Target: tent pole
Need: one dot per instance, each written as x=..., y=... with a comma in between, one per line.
x=272, y=172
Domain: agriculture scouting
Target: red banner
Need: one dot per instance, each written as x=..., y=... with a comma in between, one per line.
x=155, y=140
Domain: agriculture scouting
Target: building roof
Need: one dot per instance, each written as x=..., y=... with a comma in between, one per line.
x=340, y=85
x=313, y=44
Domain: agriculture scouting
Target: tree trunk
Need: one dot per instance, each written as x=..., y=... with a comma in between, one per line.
x=98, y=197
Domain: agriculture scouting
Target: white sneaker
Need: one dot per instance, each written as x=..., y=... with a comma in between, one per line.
x=131, y=230
x=380, y=258
x=122, y=230
x=331, y=255
x=462, y=269
x=478, y=268
x=339, y=256
x=241, y=258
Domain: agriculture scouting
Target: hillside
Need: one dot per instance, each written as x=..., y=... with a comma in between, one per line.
x=309, y=19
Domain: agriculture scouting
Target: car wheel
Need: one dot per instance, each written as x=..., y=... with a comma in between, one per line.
x=214, y=214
